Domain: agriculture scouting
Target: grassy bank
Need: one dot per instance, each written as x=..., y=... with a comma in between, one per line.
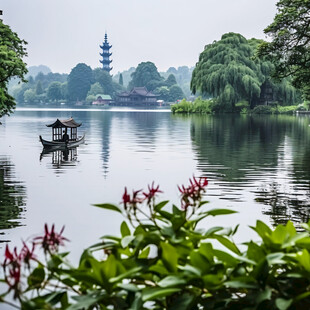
x=210, y=106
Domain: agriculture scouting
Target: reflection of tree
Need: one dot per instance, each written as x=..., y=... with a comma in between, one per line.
x=146, y=127
x=12, y=197
x=236, y=143
x=271, y=154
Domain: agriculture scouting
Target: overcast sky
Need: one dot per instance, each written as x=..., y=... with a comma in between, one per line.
x=63, y=33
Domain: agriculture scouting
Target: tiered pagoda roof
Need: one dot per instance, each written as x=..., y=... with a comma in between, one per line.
x=106, y=54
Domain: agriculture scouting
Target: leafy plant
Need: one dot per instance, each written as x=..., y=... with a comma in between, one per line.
x=163, y=260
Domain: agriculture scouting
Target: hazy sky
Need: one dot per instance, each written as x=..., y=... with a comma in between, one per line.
x=63, y=33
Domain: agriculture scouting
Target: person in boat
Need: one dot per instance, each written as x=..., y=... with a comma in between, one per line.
x=65, y=137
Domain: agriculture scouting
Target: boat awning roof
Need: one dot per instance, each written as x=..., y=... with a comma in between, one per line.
x=66, y=123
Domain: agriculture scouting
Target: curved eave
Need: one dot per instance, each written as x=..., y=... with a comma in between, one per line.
x=67, y=123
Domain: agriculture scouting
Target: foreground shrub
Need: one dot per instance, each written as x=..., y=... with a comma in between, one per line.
x=164, y=261
x=263, y=109
x=198, y=106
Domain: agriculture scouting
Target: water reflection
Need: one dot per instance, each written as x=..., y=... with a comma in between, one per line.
x=60, y=159
x=12, y=197
x=269, y=156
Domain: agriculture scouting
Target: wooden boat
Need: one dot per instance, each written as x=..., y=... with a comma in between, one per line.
x=60, y=137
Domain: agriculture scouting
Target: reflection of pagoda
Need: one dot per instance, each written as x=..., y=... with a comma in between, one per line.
x=106, y=54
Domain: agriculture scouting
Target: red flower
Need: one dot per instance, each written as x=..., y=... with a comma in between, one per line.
x=13, y=262
x=131, y=201
x=126, y=198
x=51, y=239
x=192, y=194
x=152, y=192
x=26, y=254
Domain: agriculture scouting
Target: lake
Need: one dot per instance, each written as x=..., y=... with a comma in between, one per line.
x=259, y=166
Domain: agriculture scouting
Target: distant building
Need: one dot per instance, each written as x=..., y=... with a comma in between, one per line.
x=102, y=100
x=105, y=61
x=138, y=96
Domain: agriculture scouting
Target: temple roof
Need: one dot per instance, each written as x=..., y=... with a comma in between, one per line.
x=66, y=123
x=140, y=91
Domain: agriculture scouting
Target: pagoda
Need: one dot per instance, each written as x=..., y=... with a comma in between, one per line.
x=106, y=54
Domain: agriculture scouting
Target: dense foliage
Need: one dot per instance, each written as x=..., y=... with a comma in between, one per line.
x=12, y=51
x=79, y=82
x=226, y=70
x=168, y=259
x=289, y=49
x=146, y=74
x=54, y=87
x=198, y=106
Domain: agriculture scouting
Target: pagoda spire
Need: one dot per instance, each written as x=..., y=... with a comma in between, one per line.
x=105, y=61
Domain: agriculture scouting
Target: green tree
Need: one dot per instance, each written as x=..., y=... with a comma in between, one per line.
x=163, y=93
x=175, y=93
x=146, y=75
x=29, y=96
x=39, y=88
x=95, y=89
x=171, y=80
x=79, y=81
x=121, y=81
x=228, y=71
x=105, y=81
x=12, y=51
x=289, y=49
x=54, y=91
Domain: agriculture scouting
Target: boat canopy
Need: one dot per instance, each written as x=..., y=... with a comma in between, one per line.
x=66, y=123
x=58, y=126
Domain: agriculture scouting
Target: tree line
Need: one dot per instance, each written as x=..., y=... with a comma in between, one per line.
x=84, y=84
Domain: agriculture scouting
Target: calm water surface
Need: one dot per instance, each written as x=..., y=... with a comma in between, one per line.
x=258, y=166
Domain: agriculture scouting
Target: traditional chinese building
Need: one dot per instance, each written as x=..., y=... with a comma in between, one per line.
x=136, y=97
x=106, y=54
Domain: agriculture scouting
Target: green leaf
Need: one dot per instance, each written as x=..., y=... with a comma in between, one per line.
x=126, y=241
x=155, y=293
x=275, y=258
x=262, y=229
x=279, y=235
x=182, y=302
x=207, y=250
x=169, y=256
x=198, y=260
x=213, y=230
x=241, y=283
x=125, y=275
x=160, y=205
x=255, y=252
x=215, y=212
x=227, y=243
x=86, y=301
x=125, y=231
x=145, y=253
x=56, y=297
x=36, y=277
x=108, y=206
x=225, y=257
x=128, y=287
x=304, y=259
x=283, y=304
x=171, y=281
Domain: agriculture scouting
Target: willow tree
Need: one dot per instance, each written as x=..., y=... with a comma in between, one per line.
x=227, y=70
x=289, y=49
x=12, y=51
